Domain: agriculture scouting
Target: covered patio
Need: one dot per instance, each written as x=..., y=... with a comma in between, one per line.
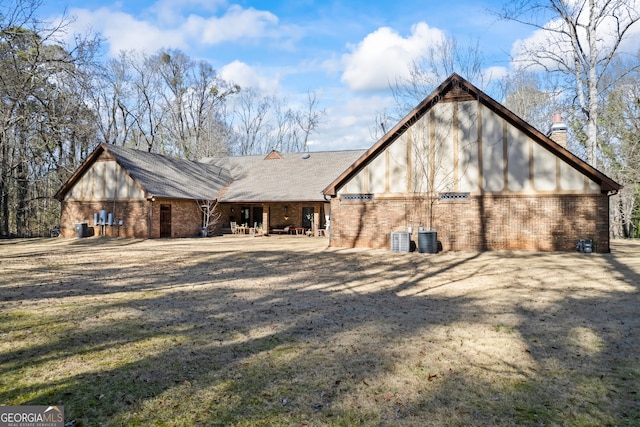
x=295, y=218
x=280, y=193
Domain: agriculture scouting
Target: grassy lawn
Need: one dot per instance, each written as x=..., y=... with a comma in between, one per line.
x=283, y=331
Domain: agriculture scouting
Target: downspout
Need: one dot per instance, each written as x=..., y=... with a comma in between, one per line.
x=150, y=222
x=609, y=194
x=113, y=215
x=330, y=217
x=115, y=195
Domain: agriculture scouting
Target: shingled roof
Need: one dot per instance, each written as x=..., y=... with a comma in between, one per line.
x=276, y=177
x=280, y=177
x=160, y=176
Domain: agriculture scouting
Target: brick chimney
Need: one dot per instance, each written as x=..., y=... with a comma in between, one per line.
x=558, y=131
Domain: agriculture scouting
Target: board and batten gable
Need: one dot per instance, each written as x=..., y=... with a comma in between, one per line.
x=463, y=165
x=104, y=180
x=456, y=147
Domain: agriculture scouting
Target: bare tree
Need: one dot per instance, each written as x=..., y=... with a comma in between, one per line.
x=264, y=122
x=173, y=69
x=165, y=102
x=192, y=94
x=210, y=216
x=442, y=59
x=283, y=136
x=580, y=39
x=204, y=101
x=308, y=119
x=43, y=120
x=217, y=135
x=109, y=97
x=533, y=97
x=145, y=107
x=250, y=111
x=620, y=124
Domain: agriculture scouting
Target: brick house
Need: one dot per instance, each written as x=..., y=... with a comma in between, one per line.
x=147, y=195
x=466, y=167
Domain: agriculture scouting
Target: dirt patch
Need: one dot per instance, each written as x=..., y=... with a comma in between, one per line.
x=285, y=331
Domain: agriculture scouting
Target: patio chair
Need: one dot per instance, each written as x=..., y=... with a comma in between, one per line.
x=234, y=227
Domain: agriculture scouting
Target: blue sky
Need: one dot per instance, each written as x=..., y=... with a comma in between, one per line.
x=344, y=51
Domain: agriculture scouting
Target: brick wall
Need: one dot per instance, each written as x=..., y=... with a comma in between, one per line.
x=186, y=218
x=540, y=222
x=134, y=215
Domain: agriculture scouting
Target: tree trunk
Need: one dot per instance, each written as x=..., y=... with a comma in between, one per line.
x=592, y=119
x=4, y=190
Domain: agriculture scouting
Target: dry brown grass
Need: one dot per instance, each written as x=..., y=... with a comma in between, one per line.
x=285, y=331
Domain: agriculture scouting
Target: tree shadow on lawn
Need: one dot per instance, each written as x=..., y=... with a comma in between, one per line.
x=335, y=338
x=581, y=336
x=586, y=354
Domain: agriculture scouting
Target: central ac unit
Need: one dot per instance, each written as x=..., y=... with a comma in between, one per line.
x=400, y=241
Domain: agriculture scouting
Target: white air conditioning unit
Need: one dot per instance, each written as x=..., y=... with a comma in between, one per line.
x=400, y=241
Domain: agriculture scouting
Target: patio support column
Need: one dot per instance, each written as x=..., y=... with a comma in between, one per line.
x=316, y=220
x=150, y=218
x=265, y=219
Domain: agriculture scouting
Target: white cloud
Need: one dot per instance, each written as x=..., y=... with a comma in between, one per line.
x=384, y=56
x=246, y=76
x=124, y=32
x=494, y=73
x=165, y=25
x=235, y=24
x=351, y=124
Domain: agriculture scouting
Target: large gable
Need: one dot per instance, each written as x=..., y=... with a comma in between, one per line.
x=460, y=139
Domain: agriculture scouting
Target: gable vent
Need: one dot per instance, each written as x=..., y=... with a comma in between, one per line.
x=358, y=197
x=453, y=196
x=274, y=155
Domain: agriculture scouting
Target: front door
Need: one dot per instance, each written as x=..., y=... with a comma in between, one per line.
x=165, y=220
